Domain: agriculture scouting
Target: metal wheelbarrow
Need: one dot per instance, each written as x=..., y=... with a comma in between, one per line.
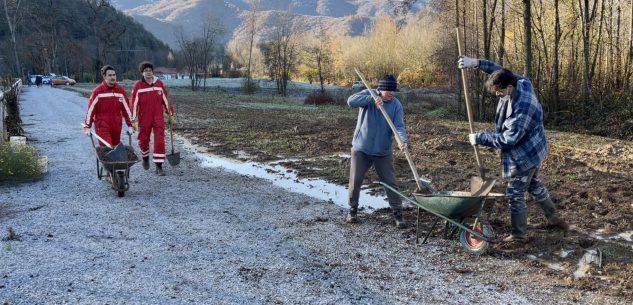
x=117, y=171
x=460, y=210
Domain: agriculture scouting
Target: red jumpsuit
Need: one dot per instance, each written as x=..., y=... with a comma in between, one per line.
x=105, y=108
x=149, y=102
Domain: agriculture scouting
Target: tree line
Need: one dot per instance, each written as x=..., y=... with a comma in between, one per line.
x=578, y=53
x=72, y=37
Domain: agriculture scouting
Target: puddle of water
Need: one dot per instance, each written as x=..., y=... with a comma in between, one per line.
x=591, y=256
x=287, y=179
x=564, y=253
x=551, y=265
x=628, y=236
x=556, y=266
x=625, y=236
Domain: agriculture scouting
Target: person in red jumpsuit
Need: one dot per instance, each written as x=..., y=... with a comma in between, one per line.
x=108, y=103
x=150, y=100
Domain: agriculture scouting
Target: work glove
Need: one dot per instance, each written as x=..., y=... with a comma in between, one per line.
x=472, y=138
x=172, y=120
x=467, y=62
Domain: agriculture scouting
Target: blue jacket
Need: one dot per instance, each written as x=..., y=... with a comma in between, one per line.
x=519, y=131
x=373, y=136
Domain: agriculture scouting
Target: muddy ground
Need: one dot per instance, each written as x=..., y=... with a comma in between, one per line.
x=589, y=177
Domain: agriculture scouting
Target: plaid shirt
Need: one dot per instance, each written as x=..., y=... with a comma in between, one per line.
x=519, y=131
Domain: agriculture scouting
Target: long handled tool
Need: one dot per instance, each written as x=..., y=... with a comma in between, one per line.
x=101, y=139
x=174, y=157
x=479, y=186
x=397, y=136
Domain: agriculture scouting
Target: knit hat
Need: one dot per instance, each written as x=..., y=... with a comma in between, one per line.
x=388, y=83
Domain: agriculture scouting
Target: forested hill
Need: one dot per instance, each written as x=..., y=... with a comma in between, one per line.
x=73, y=37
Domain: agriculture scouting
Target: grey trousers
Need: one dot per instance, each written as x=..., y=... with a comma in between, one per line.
x=359, y=166
x=528, y=181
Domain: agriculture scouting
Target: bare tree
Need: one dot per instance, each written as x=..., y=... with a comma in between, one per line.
x=629, y=55
x=555, y=81
x=587, y=15
x=190, y=54
x=281, y=50
x=11, y=17
x=252, y=21
x=96, y=8
x=212, y=29
x=320, y=54
x=527, y=32
x=502, y=34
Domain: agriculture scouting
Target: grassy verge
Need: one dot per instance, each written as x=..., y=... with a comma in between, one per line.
x=18, y=163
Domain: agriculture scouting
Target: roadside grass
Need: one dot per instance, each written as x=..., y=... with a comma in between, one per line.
x=18, y=163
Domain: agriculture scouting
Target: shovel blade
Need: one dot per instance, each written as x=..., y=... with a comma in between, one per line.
x=481, y=188
x=118, y=153
x=173, y=158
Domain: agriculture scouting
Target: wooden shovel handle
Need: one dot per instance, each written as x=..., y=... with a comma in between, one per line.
x=394, y=131
x=171, y=136
x=469, y=110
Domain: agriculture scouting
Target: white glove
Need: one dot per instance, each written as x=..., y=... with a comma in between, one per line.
x=467, y=62
x=472, y=138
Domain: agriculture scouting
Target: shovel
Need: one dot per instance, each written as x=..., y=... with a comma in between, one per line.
x=396, y=135
x=174, y=157
x=479, y=186
x=118, y=153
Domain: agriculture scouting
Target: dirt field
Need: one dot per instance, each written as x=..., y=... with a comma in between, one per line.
x=589, y=177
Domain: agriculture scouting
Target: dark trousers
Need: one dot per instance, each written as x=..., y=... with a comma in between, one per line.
x=359, y=166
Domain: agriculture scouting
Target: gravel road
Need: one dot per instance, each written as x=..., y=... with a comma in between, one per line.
x=205, y=236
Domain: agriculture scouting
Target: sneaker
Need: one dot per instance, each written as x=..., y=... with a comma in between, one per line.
x=352, y=216
x=400, y=223
x=146, y=163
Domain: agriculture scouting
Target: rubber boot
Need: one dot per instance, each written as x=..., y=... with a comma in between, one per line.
x=519, y=226
x=146, y=163
x=352, y=215
x=553, y=219
x=397, y=215
x=159, y=169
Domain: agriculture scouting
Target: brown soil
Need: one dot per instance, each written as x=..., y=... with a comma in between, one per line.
x=102, y=152
x=588, y=177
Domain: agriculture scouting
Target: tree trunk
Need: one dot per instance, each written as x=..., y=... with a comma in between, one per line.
x=527, y=32
x=502, y=36
x=586, y=30
x=555, y=82
x=629, y=56
x=12, y=22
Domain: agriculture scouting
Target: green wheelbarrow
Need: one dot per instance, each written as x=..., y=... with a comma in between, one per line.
x=460, y=210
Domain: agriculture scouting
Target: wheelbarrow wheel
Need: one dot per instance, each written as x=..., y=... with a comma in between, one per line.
x=120, y=183
x=472, y=243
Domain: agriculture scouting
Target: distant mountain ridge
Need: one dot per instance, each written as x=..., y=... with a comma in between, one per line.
x=161, y=17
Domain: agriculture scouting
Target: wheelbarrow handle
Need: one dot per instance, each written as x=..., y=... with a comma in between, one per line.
x=100, y=139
